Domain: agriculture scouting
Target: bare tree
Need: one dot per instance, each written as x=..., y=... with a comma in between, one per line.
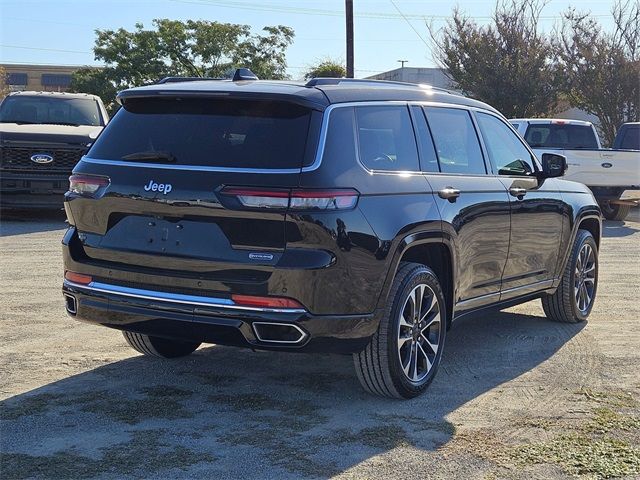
x=507, y=63
x=600, y=71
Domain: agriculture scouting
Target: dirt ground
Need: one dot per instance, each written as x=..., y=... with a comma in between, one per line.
x=516, y=397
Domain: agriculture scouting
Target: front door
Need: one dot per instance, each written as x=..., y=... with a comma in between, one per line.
x=536, y=210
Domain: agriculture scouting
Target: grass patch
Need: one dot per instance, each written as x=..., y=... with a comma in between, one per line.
x=615, y=398
x=605, y=420
x=158, y=402
x=143, y=455
x=27, y=406
x=582, y=455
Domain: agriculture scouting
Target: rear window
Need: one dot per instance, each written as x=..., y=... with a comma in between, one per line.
x=50, y=110
x=386, y=138
x=631, y=138
x=204, y=132
x=565, y=136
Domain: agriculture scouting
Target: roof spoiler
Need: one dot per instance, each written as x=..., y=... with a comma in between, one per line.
x=239, y=74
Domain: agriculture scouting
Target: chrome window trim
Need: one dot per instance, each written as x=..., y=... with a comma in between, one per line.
x=322, y=139
x=174, y=297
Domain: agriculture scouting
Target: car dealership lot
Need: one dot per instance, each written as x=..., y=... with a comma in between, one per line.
x=513, y=390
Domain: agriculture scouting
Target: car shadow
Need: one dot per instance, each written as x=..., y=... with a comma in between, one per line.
x=617, y=229
x=226, y=413
x=20, y=222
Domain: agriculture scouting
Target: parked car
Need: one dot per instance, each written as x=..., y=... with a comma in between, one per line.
x=42, y=137
x=608, y=173
x=628, y=137
x=348, y=216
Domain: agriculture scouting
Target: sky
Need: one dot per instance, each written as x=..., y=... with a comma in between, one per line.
x=61, y=32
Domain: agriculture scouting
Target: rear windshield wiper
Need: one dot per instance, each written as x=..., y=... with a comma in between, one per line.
x=150, y=156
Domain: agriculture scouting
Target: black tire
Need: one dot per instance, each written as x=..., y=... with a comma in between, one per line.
x=563, y=306
x=614, y=211
x=379, y=366
x=159, y=347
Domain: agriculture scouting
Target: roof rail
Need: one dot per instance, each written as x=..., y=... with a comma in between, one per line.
x=314, y=82
x=186, y=79
x=239, y=74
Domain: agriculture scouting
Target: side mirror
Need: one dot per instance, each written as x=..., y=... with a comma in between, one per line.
x=553, y=165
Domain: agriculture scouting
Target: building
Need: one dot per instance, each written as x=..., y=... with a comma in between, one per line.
x=47, y=78
x=430, y=76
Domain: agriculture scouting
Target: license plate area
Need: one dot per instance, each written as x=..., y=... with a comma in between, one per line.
x=179, y=237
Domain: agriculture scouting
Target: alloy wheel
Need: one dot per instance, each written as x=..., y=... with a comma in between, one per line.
x=585, y=278
x=419, y=333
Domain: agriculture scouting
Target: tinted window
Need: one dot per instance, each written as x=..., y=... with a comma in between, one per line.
x=428, y=158
x=516, y=125
x=236, y=134
x=50, y=110
x=560, y=136
x=386, y=138
x=506, y=151
x=456, y=140
x=631, y=138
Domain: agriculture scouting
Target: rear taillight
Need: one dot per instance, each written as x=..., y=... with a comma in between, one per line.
x=87, y=185
x=77, y=277
x=265, y=302
x=295, y=199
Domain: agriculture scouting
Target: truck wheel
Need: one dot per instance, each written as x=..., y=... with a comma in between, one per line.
x=403, y=355
x=573, y=300
x=159, y=347
x=614, y=211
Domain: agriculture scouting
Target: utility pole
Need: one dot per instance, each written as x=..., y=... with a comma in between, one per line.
x=402, y=62
x=349, y=16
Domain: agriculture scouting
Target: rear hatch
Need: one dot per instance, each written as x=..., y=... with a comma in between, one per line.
x=172, y=172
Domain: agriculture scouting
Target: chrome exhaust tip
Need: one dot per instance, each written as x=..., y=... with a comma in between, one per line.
x=280, y=333
x=70, y=304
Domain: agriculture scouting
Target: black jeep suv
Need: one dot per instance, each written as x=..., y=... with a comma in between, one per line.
x=343, y=216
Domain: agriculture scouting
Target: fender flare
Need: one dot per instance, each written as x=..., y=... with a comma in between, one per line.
x=412, y=240
x=583, y=214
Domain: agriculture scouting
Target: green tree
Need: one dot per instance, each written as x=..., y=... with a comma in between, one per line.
x=326, y=68
x=508, y=63
x=4, y=87
x=95, y=81
x=195, y=48
x=600, y=71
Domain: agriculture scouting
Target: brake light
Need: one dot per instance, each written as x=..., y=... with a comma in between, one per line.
x=78, y=277
x=259, y=197
x=265, y=302
x=295, y=199
x=87, y=185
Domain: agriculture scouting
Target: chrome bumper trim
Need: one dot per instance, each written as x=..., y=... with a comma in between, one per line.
x=174, y=297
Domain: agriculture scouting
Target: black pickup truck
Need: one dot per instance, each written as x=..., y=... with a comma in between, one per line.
x=42, y=137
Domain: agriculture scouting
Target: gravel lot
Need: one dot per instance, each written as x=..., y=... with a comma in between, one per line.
x=516, y=397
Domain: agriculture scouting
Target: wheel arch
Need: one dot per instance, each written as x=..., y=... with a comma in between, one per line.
x=434, y=250
x=589, y=220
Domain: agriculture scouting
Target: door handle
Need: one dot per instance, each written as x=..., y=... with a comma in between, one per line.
x=518, y=192
x=449, y=193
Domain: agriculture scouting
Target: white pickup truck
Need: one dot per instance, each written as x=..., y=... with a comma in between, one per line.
x=608, y=173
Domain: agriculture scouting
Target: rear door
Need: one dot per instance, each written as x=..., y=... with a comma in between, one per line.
x=184, y=182
x=473, y=204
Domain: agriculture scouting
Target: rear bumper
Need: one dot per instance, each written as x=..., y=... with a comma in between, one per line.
x=215, y=320
x=25, y=191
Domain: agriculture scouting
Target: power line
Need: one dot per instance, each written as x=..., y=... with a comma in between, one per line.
x=46, y=49
x=266, y=7
x=410, y=24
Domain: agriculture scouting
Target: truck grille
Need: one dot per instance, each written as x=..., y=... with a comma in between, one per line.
x=18, y=160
